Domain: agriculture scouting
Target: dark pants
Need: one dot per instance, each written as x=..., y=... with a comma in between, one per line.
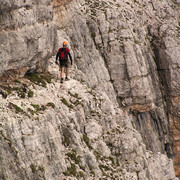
x=65, y=63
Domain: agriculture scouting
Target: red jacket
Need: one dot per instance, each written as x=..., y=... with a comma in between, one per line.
x=63, y=54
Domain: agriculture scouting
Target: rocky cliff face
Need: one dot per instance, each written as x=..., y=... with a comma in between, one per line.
x=139, y=44
x=27, y=36
x=118, y=116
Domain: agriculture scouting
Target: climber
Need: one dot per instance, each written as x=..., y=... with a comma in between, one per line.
x=63, y=54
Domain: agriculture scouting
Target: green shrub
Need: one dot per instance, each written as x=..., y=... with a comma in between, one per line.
x=41, y=168
x=105, y=167
x=66, y=141
x=36, y=79
x=51, y=104
x=74, y=95
x=31, y=111
x=17, y=108
x=38, y=108
x=8, y=89
x=20, y=91
x=33, y=168
x=74, y=157
x=47, y=78
x=5, y=138
x=17, y=81
x=64, y=101
x=30, y=94
x=81, y=174
x=72, y=169
x=86, y=140
x=4, y=95
x=112, y=160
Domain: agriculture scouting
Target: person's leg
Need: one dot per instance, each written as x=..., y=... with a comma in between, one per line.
x=62, y=73
x=67, y=72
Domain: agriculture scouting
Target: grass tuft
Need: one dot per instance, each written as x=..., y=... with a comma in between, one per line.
x=86, y=140
x=50, y=104
x=30, y=94
x=64, y=101
x=74, y=157
x=39, y=79
x=66, y=141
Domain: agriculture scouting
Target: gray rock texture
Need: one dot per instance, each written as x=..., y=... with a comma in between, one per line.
x=27, y=36
x=72, y=131
x=139, y=43
x=117, y=117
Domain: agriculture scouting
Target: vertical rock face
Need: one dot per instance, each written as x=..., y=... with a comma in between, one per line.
x=168, y=63
x=139, y=43
x=118, y=116
x=27, y=35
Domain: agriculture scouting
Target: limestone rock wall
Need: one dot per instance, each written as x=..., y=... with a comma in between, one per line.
x=138, y=41
x=27, y=35
x=118, y=116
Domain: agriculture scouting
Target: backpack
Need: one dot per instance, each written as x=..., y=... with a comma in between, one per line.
x=63, y=54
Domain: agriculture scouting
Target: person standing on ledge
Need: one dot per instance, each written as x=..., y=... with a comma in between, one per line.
x=63, y=55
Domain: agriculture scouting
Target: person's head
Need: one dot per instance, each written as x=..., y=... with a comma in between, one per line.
x=65, y=44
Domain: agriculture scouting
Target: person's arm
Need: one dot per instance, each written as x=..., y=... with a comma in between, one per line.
x=70, y=57
x=57, y=55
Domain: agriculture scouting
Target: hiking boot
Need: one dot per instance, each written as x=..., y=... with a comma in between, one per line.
x=61, y=80
x=66, y=79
